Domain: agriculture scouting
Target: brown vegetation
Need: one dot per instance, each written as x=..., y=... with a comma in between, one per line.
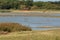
x=12, y=27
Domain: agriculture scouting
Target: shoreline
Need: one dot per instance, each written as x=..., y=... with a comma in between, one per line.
x=31, y=13
x=41, y=11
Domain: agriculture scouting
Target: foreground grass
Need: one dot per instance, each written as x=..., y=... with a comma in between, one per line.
x=32, y=35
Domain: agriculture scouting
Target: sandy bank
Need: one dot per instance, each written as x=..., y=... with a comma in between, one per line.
x=30, y=13
x=44, y=11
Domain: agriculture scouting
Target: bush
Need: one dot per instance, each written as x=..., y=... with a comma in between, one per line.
x=12, y=27
x=34, y=7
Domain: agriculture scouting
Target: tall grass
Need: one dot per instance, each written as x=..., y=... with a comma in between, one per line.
x=32, y=35
x=12, y=27
x=3, y=11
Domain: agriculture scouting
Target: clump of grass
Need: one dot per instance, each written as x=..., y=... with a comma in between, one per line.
x=12, y=27
x=3, y=11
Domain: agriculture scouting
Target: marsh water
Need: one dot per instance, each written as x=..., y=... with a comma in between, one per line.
x=33, y=21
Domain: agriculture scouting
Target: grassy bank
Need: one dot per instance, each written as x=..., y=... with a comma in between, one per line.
x=4, y=11
x=38, y=10
x=32, y=35
x=28, y=11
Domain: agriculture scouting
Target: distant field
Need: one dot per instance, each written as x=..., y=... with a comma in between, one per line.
x=32, y=35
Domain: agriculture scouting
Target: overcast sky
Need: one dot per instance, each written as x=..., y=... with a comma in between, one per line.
x=46, y=0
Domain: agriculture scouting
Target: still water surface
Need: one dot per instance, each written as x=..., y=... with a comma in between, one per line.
x=32, y=21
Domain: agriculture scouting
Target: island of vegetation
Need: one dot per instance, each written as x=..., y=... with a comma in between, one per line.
x=13, y=27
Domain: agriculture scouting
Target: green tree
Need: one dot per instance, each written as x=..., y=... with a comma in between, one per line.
x=29, y=4
x=7, y=4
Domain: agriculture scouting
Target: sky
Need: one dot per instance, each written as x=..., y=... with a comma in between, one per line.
x=46, y=0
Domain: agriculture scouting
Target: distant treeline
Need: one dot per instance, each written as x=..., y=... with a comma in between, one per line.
x=47, y=5
x=28, y=4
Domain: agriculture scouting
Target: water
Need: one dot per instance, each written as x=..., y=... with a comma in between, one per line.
x=44, y=28
x=55, y=14
x=33, y=21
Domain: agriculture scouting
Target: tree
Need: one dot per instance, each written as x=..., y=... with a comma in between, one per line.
x=28, y=4
x=8, y=4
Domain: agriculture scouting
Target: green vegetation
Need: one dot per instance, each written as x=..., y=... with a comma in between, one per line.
x=32, y=35
x=14, y=4
x=47, y=5
x=12, y=27
x=29, y=5
x=3, y=11
x=9, y=4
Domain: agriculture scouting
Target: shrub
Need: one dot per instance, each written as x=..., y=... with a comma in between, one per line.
x=12, y=27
